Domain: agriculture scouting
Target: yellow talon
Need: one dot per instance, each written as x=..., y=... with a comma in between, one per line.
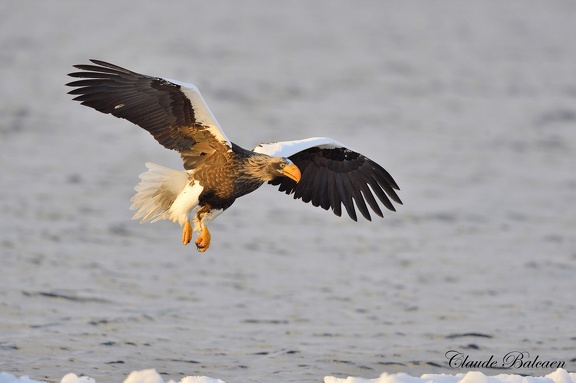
x=203, y=241
x=186, y=233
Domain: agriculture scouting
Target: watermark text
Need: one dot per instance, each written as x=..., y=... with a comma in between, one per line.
x=511, y=360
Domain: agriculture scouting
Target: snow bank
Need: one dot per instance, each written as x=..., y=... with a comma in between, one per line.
x=151, y=376
x=143, y=376
x=558, y=376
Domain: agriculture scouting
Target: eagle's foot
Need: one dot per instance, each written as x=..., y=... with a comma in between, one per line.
x=186, y=233
x=203, y=241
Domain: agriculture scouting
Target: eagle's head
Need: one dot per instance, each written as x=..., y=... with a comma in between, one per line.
x=282, y=166
x=267, y=168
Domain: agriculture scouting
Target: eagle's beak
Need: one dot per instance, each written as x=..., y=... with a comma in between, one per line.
x=291, y=171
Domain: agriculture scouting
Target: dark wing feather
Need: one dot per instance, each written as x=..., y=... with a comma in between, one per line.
x=174, y=113
x=332, y=177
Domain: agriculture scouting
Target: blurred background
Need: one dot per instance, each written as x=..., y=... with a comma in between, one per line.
x=471, y=106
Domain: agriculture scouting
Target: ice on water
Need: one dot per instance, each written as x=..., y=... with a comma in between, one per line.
x=152, y=376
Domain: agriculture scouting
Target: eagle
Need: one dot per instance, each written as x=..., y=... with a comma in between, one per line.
x=216, y=171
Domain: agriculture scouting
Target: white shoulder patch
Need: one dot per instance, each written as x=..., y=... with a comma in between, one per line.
x=201, y=111
x=288, y=148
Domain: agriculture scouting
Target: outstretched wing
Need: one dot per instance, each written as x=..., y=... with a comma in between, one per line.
x=173, y=112
x=333, y=175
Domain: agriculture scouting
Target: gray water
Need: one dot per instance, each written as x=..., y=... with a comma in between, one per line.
x=470, y=105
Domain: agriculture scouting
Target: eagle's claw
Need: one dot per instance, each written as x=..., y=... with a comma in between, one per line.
x=186, y=233
x=203, y=241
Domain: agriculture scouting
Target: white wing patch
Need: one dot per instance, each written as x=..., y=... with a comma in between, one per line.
x=288, y=148
x=202, y=113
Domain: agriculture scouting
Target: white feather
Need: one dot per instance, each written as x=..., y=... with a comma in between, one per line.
x=164, y=193
x=288, y=148
x=202, y=113
x=186, y=201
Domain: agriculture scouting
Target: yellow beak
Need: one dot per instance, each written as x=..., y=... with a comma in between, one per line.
x=292, y=172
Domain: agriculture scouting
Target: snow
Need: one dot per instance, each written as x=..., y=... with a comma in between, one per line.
x=151, y=376
x=9, y=378
x=143, y=376
x=73, y=378
x=558, y=376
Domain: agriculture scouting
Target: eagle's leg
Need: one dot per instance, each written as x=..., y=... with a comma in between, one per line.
x=203, y=240
x=187, y=233
x=203, y=216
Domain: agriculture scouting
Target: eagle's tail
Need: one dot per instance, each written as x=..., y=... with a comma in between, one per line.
x=156, y=192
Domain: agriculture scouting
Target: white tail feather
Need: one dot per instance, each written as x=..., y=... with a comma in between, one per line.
x=158, y=189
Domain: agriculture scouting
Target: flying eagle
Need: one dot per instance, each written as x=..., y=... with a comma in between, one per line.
x=217, y=171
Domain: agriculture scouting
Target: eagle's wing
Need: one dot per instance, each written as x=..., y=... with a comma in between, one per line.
x=173, y=112
x=333, y=175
